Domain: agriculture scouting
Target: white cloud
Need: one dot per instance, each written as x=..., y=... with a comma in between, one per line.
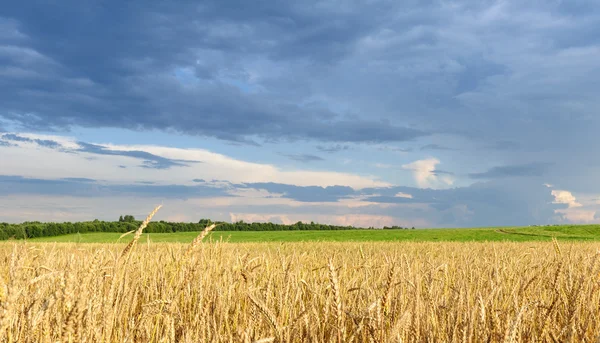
x=578, y=211
x=581, y=216
x=565, y=197
x=31, y=160
x=403, y=195
x=423, y=173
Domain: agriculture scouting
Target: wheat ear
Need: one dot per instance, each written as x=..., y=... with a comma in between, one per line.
x=138, y=232
x=199, y=238
x=511, y=332
x=556, y=246
x=335, y=286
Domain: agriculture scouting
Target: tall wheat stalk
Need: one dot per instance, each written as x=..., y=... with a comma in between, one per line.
x=199, y=239
x=138, y=232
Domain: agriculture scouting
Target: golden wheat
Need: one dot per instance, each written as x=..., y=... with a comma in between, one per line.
x=300, y=292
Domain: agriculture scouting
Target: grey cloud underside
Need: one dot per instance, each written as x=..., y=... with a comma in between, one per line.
x=492, y=203
x=41, y=142
x=48, y=143
x=80, y=187
x=530, y=169
x=305, y=158
x=482, y=204
x=78, y=179
x=305, y=193
x=438, y=172
x=148, y=160
x=332, y=148
x=15, y=137
x=395, y=149
x=436, y=147
x=505, y=145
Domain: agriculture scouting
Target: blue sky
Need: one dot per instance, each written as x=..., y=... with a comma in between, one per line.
x=367, y=113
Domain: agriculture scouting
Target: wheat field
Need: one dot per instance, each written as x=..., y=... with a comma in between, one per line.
x=299, y=292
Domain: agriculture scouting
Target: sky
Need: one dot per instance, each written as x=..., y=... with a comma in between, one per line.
x=365, y=113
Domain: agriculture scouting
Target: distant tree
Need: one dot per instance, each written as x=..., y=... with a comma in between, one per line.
x=128, y=223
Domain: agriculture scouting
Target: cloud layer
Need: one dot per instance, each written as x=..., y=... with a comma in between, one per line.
x=306, y=109
x=345, y=199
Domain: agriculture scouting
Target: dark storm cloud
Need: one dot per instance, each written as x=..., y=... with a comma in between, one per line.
x=146, y=68
x=243, y=71
x=188, y=66
x=530, y=169
x=148, y=160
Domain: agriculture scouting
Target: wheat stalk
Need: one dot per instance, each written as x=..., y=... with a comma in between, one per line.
x=556, y=246
x=267, y=313
x=511, y=333
x=196, y=242
x=337, y=301
x=138, y=232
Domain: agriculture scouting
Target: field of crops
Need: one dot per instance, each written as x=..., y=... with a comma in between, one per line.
x=299, y=292
x=523, y=234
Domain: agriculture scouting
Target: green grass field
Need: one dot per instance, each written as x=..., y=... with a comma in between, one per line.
x=578, y=232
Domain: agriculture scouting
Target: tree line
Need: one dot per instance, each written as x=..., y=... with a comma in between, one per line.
x=128, y=223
